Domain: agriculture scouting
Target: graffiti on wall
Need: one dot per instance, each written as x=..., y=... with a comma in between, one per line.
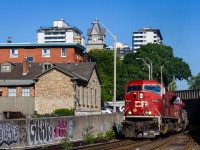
x=60, y=129
x=70, y=128
x=40, y=131
x=11, y=132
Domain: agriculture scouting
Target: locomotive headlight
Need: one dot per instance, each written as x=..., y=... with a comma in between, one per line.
x=129, y=112
x=141, y=95
x=149, y=112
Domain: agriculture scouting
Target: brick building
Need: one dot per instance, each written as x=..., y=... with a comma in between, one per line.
x=53, y=85
x=42, y=52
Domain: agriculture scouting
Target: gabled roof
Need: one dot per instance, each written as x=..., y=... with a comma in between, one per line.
x=78, y=71
x=101, y=31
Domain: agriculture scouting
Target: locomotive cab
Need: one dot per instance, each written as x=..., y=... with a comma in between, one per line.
x=150, y=110
x=143, y=108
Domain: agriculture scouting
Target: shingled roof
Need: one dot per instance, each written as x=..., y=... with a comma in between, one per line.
x=78, y=71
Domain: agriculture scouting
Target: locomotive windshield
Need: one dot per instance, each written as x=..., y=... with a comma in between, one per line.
x=153, y=88
x=133, y=88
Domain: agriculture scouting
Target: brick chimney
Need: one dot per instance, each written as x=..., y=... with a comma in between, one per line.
x=25, y=66
x=9, y=40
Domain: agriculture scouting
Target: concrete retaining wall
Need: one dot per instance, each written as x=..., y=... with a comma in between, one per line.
x=23, y=133
x=24, y=104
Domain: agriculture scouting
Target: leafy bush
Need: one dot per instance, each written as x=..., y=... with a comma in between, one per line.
x=88, y=134
x=110, y=134
x=66, y=143
x=100, y=136
x=63, y=111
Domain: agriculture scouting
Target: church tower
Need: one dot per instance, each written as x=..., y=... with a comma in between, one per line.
x=96, y=37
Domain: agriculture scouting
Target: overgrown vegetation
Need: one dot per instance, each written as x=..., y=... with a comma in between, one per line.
x=63, y=111
x=66, y=144
x=88, y=135
x=56, y=112
x=110, y=134
x=100, y=136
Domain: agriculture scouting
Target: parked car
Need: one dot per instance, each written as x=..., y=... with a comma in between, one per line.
x=122, y=108
x=106, y=110
x=111, y=107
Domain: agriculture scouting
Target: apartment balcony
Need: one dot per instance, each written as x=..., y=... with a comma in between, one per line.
x=139, y=43
x=54, y=35
x=55, y=40
x=135, y=35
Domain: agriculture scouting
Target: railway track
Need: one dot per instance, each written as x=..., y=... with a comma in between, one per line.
x=115, y=145
x=179, y=141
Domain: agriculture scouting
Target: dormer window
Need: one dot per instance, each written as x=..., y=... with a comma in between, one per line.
x=6, y=67
x=47, y=66
x=14, y=53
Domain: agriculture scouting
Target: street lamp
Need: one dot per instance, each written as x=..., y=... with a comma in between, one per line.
x=151, y=66
x=161, y=77
x=114, y=96
x=147, y=66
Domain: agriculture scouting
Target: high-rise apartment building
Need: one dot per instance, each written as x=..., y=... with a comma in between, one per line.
x=144, y=36
x=61, y=32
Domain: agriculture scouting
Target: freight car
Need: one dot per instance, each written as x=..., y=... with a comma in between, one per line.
x=151, y=110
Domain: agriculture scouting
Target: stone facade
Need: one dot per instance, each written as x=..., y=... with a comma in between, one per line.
x=89, y=97
x=56, y=90
x=52, y=91
x=96, y=36
x=62, y=85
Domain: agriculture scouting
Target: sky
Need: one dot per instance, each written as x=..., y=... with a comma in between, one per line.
x=178, y=21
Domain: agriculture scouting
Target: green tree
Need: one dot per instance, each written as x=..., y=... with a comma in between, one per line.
x=194, y=82
x=132, y=69
x=158, y=54
x=105, y=63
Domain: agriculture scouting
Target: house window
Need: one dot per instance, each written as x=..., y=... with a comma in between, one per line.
x=91, y=97
x=12, y=92
x=45, y=52
x=14, y=53
x=63, y=52
x=30, y=59
x=1, y=93
x=5, y=68
x=83, y=95
x=47, y=66
x=87, y=97
x=95, y=97
x=25, y=91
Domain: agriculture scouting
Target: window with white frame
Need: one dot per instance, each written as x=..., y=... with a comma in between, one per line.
x=12, y=92
x=45, y=52
x=47, y=66
x=63, y=52
x=5, y=68
x=14, y=53
x=25, y=91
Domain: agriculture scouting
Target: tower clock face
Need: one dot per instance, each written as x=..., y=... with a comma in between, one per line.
x=94, y=39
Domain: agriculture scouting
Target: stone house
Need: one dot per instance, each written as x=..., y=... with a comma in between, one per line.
x=53, y=85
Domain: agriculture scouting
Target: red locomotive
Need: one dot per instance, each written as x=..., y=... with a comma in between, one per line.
x=150, y=110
